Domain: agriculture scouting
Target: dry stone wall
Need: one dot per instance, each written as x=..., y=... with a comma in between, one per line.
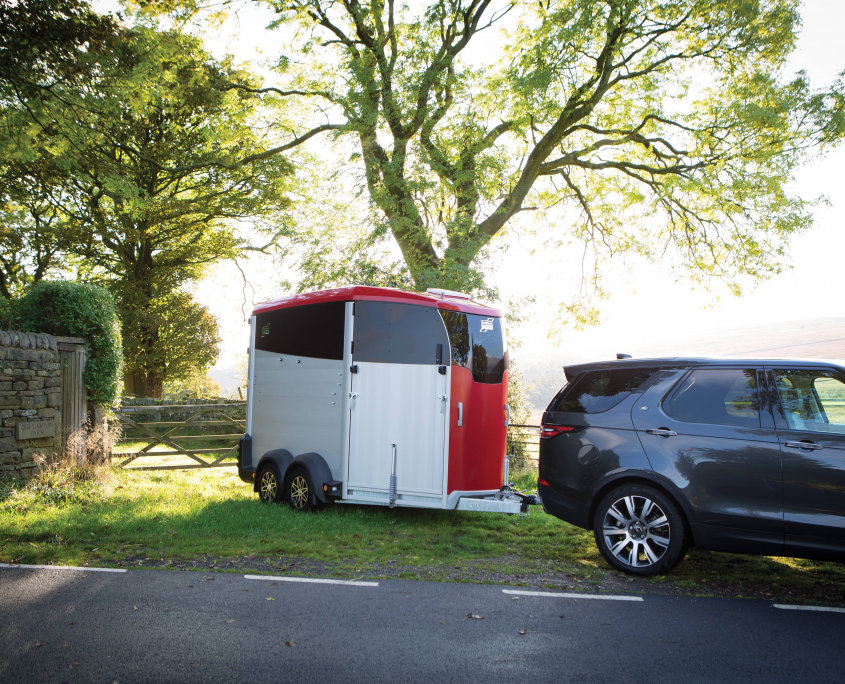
x=30, y=401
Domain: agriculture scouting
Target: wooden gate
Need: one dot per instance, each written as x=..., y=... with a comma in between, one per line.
x=179, y=437
x=74, y=406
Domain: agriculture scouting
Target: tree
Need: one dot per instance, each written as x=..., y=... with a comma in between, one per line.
x=151, y=159
x=663, y=123
x=42, y=45
x=188, y=341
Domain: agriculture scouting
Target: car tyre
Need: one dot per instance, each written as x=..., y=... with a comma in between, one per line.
x=269, y=484
x=299, y=492
x=639, y=530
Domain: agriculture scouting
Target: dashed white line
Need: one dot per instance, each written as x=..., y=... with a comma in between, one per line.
x=60, y=567
x=598, y=597
x=817, y=609
x=312, y=580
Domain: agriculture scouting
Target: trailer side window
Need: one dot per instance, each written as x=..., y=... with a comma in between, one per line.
x=398, y=333
x=314, y=331
x=489, y=356
x=458, y=329
x=478, y=343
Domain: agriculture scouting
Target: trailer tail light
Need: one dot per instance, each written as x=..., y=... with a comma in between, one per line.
x=333, y=489
x=547, y=431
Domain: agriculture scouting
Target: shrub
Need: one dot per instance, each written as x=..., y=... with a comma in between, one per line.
x=5, y=314
x=78, y=310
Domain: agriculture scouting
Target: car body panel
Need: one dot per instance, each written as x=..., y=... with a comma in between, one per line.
x=813, y=477
x=729, y=475
x=742, y=481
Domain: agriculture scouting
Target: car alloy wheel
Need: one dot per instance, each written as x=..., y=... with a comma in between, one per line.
x=639, y=530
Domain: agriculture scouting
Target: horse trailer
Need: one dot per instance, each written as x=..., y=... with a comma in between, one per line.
x=372, y=395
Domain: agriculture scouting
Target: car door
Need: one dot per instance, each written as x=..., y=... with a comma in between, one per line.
x=810, y=420
x=712, y=435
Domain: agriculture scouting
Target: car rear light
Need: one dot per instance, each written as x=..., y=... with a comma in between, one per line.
x=554, y=430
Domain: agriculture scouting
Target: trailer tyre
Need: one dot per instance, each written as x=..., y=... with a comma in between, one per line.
x=299, y=491
x=269, y=484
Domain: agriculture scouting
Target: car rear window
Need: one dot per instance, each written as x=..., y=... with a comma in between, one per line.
x=717, y=396
x=600, y=391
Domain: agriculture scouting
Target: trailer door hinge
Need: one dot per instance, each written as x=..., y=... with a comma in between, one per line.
x=354, y=368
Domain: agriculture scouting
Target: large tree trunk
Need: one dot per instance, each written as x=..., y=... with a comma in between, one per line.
x=139, y=383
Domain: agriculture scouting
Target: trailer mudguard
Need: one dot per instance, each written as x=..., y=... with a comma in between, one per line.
x=246, y=473
x=281, y=457
x=319, y=471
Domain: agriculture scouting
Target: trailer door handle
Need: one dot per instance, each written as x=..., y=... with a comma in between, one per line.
x=460, y=414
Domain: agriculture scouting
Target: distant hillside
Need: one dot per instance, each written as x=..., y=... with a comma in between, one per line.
x=814, y=339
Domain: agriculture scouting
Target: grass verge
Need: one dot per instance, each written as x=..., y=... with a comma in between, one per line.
x=210, y=519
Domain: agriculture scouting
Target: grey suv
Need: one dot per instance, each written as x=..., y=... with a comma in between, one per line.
x=735, y=455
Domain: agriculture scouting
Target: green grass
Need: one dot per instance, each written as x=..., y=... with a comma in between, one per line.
x=210, y=518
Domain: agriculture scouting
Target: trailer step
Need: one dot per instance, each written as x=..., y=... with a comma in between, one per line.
x=490, y=504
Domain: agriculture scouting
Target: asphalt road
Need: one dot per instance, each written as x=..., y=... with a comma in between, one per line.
x=161, y=626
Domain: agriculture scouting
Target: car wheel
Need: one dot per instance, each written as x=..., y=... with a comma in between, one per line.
x=299, y=492
x=639, y=530
x=269, y=484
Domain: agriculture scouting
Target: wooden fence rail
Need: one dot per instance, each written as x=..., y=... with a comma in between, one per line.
x=180, y=437
x=183, y=437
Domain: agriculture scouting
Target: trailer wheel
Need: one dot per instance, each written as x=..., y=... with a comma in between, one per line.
x=269, y=484
x=299, y=491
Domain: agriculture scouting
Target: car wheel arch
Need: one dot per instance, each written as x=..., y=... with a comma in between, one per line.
x=644, y=479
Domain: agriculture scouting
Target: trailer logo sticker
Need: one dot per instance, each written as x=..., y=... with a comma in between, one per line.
x=265, y=330
x=486, y=324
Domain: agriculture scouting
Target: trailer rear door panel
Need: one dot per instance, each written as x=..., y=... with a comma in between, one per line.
x=399, y=397
x=401, y=405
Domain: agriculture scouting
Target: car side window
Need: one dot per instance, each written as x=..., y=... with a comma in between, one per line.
x=812, y=400
x=597, y=392
x=720, y=396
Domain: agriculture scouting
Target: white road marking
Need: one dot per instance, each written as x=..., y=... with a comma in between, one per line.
x=60, y=567
x=598, y=597
x=312, y=580
x=818, y=609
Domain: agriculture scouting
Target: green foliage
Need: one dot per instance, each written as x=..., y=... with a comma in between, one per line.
x=129, y=158
x=78, y=310
x=196, y=386
x=5, y=314
x=652, y=127
x=174, y=339
x=520, y=414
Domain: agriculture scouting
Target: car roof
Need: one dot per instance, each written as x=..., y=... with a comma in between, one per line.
x=695, y=362
x=441, y=299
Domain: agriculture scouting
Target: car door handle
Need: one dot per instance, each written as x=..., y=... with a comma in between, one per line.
x=809, y=446
x=662, y=432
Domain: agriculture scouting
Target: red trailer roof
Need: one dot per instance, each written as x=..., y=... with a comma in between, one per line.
x=441, y=299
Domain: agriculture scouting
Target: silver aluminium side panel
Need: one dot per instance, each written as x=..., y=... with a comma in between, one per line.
x=297, y=404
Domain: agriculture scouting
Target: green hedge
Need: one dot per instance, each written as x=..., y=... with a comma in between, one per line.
x=78, y=310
